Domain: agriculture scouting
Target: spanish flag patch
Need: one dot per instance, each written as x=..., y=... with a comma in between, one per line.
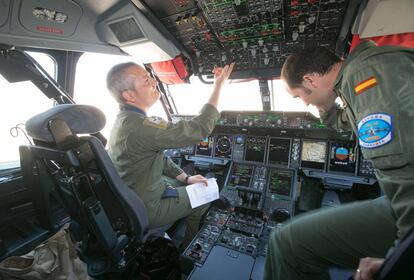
x=364, y=85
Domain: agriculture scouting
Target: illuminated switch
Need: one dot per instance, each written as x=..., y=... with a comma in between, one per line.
x=302, y=27
x=311, y=19
x=253, y=52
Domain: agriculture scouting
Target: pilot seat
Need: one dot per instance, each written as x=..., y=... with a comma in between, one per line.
x=108, y=220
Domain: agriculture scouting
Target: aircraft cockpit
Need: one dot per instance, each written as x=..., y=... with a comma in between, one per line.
x=270, y=154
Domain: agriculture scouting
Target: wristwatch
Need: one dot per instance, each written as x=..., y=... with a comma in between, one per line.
x=186, y=179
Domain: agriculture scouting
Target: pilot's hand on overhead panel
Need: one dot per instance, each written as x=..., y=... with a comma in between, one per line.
x=221, y=75
x=367, y=268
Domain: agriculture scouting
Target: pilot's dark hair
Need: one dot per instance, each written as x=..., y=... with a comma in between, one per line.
x=309, y=60
x=117, y=80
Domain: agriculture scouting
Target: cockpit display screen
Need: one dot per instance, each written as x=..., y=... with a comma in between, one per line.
x=279, y=149
x=342, y=157
x=205, y=147
x=241, y=175
x=255, y=148
x=223, y=147
x=313, y=154
x=280, y=182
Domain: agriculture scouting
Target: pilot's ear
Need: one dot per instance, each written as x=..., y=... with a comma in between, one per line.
x=128, y=95
x=310, y=80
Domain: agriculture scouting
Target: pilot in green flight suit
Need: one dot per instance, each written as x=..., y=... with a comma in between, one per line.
x=137, y=144
x=376, y=85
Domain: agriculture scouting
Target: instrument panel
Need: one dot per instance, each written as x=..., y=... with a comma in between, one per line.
x=303, y=142
x=330, y=156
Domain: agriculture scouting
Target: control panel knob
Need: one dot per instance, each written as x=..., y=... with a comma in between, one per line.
x=197, y=246
x=280, y=215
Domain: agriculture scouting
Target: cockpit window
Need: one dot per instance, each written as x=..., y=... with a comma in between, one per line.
x=237, y=96
x=19, y=102
x=46, y=61
x=189, y=98
x=283, y=101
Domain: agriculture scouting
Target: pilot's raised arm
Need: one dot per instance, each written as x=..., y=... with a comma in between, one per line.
x=375, y=84
x=137, y=144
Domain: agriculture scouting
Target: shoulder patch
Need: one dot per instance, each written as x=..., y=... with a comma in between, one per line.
x=366, y=84
x=375, y=130
x=156, y=122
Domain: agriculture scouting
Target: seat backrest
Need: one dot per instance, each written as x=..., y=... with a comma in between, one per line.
x=399, y=264
x=108, y=214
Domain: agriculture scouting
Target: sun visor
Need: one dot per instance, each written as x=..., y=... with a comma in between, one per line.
x=129, y=29
x=379, y=18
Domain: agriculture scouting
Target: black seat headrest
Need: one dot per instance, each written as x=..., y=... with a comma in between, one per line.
x=81, y=119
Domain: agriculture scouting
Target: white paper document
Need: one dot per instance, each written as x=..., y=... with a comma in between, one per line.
x=200, y=194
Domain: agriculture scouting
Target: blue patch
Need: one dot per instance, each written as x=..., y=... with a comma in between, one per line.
x=375, y=130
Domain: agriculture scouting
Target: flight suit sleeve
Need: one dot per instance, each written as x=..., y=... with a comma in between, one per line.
x=183, y=133
x=336, y=118
x=383, y=104
x=170, y=168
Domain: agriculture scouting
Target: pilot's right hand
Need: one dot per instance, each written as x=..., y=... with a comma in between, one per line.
x=196, y=179
x=221, y=75
x=367, y=268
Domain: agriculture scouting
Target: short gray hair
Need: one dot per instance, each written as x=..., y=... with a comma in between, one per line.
x=117, y=81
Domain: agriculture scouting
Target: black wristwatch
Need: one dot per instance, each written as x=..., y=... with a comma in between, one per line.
x=186, y=179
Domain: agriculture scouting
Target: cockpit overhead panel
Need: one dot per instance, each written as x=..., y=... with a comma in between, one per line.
x=257, y=34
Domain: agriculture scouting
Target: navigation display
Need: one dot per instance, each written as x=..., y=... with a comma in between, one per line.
x=279, y=150
x=255, y=148
x=313, y=154
x=241, y=175
x=280, y=182
x=223, y=146
x=205, y=147
x=342, y=157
